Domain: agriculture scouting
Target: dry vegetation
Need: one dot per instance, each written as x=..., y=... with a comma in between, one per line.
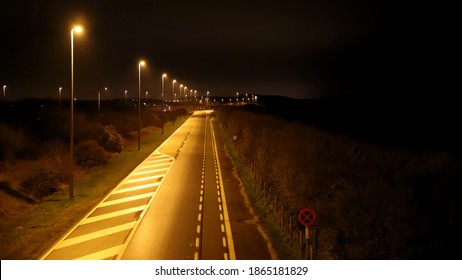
x=34, y=147
x=371, y=202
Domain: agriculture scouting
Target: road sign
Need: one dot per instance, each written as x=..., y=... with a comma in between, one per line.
x=306, y=217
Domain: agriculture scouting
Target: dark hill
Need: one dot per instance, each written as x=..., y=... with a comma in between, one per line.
x=420, y=125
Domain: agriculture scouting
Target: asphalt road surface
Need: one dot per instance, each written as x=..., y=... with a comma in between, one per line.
x=182, y=203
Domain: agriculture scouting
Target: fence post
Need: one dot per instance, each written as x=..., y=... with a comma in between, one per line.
x=307, y=244
x=315, y=244
x=300, y=242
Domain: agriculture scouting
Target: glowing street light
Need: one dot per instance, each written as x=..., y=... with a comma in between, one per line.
x=162, y=97
x=180, y=90
x=162, y=92
x=142, y=63
x=77, y=29
x=146, y=96
x=4, y=94
x=60, y=89
x=125, y=96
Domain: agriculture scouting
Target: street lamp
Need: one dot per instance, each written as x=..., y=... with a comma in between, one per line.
x=180, y=90
x=77, y=29
x=146, y=96
x=142, y=63
x=4, y=94
x=162, y=96
x=99, y=99
x=162, y=92
x=60, y=89
x=125, y=96
x=173, y=89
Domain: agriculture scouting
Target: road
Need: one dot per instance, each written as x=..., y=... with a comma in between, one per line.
x=182, y=203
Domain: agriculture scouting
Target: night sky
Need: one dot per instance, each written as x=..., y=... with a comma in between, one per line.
x=300, y=49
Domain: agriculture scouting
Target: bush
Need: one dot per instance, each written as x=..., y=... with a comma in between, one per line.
x=110, y=139
x=12, y=141
x=371, y=202
x=89, y=154
x=40, y=182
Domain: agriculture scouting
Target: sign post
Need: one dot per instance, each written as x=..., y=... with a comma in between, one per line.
x=307, y=217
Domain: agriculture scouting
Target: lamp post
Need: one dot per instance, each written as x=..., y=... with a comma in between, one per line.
x=180, y=90
x=162, y=97
x=77, y=29
x=125, y=96
x=162, y=92
x=142, y=63
x=173, y=89
x=99, y=99
x=4, y=94
x=60, y=89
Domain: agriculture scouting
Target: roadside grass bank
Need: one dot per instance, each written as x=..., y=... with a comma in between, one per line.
x=371, y=202
x=29, y=236
x=278, y=239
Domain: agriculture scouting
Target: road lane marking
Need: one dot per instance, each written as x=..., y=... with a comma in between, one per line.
x=94, y=235
x=150, y=171
x=136, y=188
x=155, y=163
x=144, y=179
x=104, y=254
x=126, y=199
x=153, y=166
x=229, y=235
x=101, y=217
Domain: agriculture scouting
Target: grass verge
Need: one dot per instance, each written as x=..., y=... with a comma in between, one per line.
x=278, y=239
x=31, y=235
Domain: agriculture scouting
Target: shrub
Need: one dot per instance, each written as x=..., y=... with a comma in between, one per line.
x=89, y=153
x=110, y=139
x=12, y=142
x=40, y=182
x=371, y=201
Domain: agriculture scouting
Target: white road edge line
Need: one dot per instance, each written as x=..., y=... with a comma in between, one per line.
x=229, y=235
